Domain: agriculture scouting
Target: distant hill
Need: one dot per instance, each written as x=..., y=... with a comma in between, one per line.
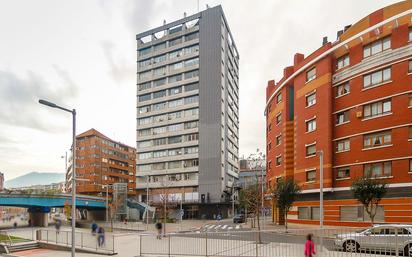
x=35, y=178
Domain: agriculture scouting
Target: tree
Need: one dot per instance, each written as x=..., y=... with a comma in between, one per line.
x=285, y=193
x=250, y=199
x=369, y=192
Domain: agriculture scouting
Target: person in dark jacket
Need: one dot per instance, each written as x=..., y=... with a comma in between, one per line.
x=159, y=230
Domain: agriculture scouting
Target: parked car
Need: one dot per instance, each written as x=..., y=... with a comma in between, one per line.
x=379, y=238
x=239, y=218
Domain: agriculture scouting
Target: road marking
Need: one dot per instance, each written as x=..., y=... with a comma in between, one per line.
x=229, y=228
x=237, y=226
x=218, y=226
x=211, y=226
x=224, y=227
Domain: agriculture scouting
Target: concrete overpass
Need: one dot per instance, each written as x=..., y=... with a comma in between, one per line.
x=39, y=205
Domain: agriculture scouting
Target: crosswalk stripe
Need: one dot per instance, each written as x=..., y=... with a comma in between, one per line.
x=224, y=226
x=237, y=226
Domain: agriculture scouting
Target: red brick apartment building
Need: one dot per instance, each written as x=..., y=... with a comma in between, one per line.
x=102, y=161
x=352, y=99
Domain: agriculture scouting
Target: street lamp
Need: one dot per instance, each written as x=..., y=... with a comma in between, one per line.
x=73, y=112
x=321, y=197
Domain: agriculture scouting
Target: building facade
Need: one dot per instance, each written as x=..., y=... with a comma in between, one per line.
x=100, y=163
x=351, y=99
x=188, y=112
x=251, y=173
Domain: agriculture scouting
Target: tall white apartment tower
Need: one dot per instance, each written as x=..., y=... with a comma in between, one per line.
x=188, y=114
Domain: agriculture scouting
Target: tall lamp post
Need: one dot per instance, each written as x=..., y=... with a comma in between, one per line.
x=73, y=112
x=321, y=198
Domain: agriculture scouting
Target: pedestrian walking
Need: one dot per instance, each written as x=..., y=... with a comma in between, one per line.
x=57, y=225
x=309, y=246
x=159, y=230
x=15, y=225
x=94, y=228
x=30, y=223
x=100, y=236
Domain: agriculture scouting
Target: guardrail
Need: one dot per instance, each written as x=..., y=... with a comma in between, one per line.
x=84, y=240
x=137, y=226
x=269, y=243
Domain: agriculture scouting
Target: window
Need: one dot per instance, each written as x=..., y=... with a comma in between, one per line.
x=175, y=90
x=143, y=144
x=175, y=78
x=160, y=46
x=192, y=99
x=357, y=213
x=311, y=99
x=311, y=74
x=145, y=75
x=379, y=169
x=343, y=62
x=278, y=118
x=159, y=154
x=145, y=86
x=159, y=82
x=278, y=160
x=160, y=58
x=343, y=172
x=311, y=175
x=311, y=125
x=192, y=36
x=144, y=109
x=377, y=139
x=269, y=147
x=160, y=71
x=159, y=130
x=176, y=66
x=376, y=47
x=175, y=103
x=342, y=117
x=191, y=112
x=144, y=156
x=159, y=94
x=144, y=51
x=278, y=139
x=191, y=87
x=175, y=54
x=191, y=150
x=175, y=165
x=146, y=167
x=343, y=145
x=159, y=141
x=191, y=137
x=145, y=63
x=410, y=132
x=377, y=108
x=175, y=140
x=304, y=213
x=343, y=89
x=145, y=132
x=311, y=150
x=159, y=106
x=192, y=49
x=279, y=98
x=159, y=166
x=174, y=152
x=145, y=121
x=175, y=41
x=190, y=163
x=410, y=66
x=410, y=34
x=175, y=127
x=191, y=62
x=410, y=165
x=191, y=125
x=192, y=74
x=377, y=77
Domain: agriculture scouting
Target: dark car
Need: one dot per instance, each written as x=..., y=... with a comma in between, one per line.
x=239, y=218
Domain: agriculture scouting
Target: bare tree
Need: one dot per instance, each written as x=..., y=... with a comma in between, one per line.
x=250, y=199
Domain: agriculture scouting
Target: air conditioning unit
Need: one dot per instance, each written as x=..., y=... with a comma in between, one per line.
x=359, y=114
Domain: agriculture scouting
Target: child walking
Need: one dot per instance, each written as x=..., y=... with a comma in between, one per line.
x=309, y=246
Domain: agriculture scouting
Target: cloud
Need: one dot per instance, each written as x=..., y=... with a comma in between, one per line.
x=138, y=14
x=119, y=69
x=20, y=98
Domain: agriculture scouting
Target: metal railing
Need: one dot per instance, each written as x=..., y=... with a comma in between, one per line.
x=328, y=242
x=84, y=240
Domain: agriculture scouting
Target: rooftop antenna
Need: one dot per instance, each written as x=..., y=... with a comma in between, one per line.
x=164, y=22
x=184, y=15
x=207, y=6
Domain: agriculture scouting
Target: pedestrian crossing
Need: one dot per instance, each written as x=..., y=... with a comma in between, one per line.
x=220, y=227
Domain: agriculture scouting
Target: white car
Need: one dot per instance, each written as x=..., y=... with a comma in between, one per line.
x=380, y=238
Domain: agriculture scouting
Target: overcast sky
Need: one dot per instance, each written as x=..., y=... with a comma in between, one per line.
x=82, y=54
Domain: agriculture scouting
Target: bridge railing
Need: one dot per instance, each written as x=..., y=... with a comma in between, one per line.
x=84, y=240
